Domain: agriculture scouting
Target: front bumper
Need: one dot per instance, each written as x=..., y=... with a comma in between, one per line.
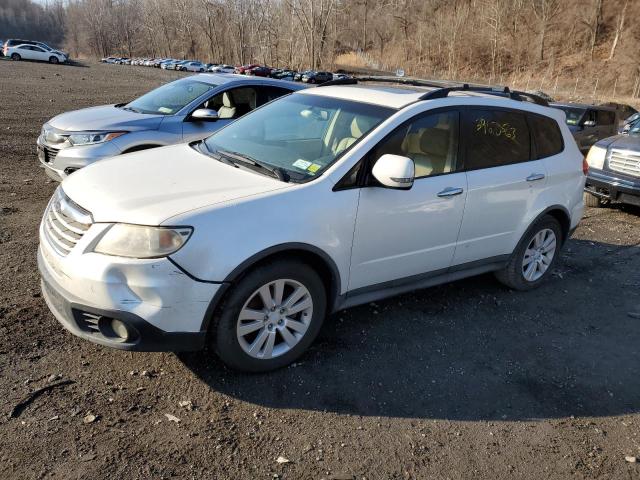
x=162, y=308
x=59, y=163
x=613, y=186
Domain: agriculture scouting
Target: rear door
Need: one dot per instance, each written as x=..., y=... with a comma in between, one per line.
x=503, y=181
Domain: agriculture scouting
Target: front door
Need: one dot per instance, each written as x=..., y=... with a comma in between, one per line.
x=401, y=233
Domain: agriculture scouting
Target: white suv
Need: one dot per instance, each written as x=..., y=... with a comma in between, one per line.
x=321, y=200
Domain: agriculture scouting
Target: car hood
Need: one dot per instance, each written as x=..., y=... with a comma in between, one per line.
x=628, y=142
x=106, y=117
x=149, y=187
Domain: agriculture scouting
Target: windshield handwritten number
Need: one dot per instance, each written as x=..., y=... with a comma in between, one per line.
x=496, y=129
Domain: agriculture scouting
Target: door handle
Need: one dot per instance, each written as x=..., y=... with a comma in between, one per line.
x=535, y=176
x=450, y=192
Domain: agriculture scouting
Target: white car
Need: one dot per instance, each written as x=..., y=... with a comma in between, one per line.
x=34, y=52
x=324, y=199
x=193, y=67
x=222, y=69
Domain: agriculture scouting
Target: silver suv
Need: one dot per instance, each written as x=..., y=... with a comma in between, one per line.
x=181, y=111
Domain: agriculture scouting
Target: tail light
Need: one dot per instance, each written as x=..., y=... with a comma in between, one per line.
x=585, y=166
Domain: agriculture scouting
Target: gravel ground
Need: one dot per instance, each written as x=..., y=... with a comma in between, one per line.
x=463, y=381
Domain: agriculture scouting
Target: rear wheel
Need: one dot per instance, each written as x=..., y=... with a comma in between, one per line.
x=270, y=317
x=534, y=257
x=16, y=57
x=53, y=59
x=591, y=200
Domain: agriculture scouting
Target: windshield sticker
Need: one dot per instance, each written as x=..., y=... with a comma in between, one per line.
x=496, y=129
x=165, y=110
x=314, y=167
x=301, y=164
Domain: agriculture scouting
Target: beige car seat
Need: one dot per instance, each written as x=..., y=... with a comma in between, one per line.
x=356, y=131
x=429, y=149
x=228, y=109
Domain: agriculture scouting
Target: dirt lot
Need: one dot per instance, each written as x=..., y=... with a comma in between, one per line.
x=463, y=381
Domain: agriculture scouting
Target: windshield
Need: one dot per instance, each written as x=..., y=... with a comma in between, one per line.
x=300, y=134
x=574, y=115
x=170, y=98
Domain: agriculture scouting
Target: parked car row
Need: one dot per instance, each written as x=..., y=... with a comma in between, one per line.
x=322, y=199
x=254, y=69
x=18, y=49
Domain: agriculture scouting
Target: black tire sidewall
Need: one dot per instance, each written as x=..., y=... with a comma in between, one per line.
x=53, y=60
x=223, y=335
x=16, y=57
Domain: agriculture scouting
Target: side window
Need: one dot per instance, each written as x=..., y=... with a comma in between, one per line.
x=591, y=116
x=37, y=49
x=606, y=117
x=430, y=140
x=546, y=136
x=271, y=93
x=233, y=103
x=496, y=137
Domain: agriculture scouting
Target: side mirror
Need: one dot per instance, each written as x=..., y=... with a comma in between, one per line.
x=394, y=171
x=589, y=123
x=206, y=114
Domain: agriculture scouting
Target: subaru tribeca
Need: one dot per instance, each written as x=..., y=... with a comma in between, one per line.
x=324, y=199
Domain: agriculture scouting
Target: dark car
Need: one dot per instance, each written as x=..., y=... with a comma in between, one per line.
x=624, y=111
x=589, y=123
x=259, y=71
x=614, y=170
x=317, y=77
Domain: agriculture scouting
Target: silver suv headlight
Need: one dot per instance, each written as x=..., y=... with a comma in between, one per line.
x=90, y=138
x=138, y=241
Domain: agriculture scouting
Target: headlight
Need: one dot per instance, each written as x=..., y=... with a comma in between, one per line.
x=136, y=241
x=596, y=157
x=91, y=138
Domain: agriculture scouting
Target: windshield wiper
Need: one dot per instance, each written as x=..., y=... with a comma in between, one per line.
x=277, y=172
x=131, y=109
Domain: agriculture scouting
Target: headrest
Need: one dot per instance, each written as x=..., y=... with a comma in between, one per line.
x=359, y=126
x=435, y=141
x=227, y=101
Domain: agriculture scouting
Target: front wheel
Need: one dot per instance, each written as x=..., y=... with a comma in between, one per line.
x=15, y=57
x=270, y=317
x=53, y=59
x=534, y=257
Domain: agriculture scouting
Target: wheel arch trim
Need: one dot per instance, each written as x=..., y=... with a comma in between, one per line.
x=335, y=281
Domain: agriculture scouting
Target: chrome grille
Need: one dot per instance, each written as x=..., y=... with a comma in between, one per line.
x=50, y=154
x=625, y=161
x=65, y=223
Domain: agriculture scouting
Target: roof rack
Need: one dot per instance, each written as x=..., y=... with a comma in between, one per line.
x=499, y=91
x=444, y=88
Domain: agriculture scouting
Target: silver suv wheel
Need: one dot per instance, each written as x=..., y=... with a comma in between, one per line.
x=274, y=318
x=539, y=254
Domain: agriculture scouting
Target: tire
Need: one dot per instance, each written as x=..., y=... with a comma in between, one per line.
x=53, y=60
x=514, y=275
x=300, y=328
x=16, y=57
x=591, y=200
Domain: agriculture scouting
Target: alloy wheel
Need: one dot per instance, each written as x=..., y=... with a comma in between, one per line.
x=539, y=254
x=274, y=319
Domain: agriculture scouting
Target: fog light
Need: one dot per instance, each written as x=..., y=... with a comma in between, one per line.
x=120, y=329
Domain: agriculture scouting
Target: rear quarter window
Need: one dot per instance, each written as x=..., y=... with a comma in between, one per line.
x=495, y=138
x=546, y=135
